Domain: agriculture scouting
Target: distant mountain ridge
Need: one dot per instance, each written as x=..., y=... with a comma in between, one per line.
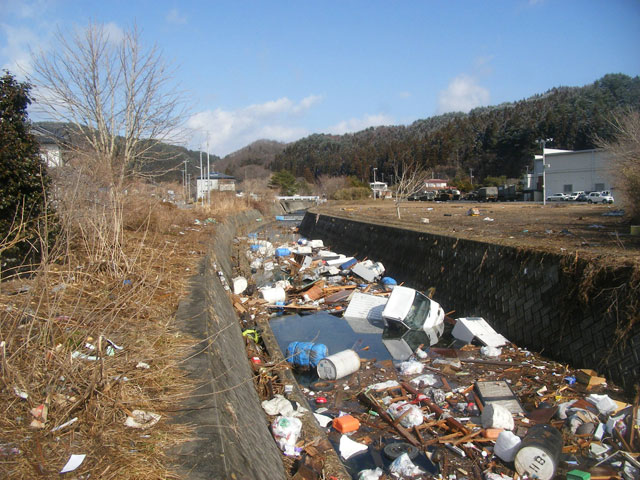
x=493, y=140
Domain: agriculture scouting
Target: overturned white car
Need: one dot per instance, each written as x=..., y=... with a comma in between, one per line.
x=414, y=311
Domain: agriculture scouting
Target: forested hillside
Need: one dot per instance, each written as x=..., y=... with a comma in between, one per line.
x=497, y=140
x=251, y=161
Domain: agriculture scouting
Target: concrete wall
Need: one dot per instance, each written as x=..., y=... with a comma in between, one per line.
x=232, y=439
x=571, y=310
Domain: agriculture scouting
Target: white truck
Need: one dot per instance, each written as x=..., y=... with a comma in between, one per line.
x=414, y=311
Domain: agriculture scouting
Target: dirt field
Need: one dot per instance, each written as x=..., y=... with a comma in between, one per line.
x=557, y=227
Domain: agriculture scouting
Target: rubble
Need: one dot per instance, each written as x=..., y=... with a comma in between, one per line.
x=468, y=402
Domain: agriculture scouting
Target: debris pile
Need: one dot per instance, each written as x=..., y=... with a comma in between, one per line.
x=454, y=399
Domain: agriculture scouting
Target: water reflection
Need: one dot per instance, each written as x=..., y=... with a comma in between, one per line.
x=339, y=334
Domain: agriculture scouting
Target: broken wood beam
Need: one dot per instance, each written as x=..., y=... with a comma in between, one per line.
x=452, y=422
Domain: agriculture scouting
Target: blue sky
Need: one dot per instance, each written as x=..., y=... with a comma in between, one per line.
x=285, y=69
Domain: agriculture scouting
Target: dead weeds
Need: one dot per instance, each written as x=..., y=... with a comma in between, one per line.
x=85, y=342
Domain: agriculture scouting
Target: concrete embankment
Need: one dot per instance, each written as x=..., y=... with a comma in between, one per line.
x=572, y=310
x=231, y=437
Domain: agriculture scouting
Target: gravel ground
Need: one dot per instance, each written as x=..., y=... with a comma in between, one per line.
x=569, y=228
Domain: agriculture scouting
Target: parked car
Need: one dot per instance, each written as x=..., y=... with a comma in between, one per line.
x=423, y=196
x=599, y=197
x=471, y=196
x=557, y=197
x=582, y=197
x=573, y=196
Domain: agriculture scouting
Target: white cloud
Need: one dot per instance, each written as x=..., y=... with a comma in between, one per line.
x=306, y=103
x=24, y=8
x=229, y=130
x=461, y=95
x=357, y=124
x=114, y=33
x=16, y=52
x=175, y=17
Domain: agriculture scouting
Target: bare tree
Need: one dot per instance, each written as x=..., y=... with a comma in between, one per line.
x=625, y=164
x=409, y=177
x=119, y=101
x=117, y=95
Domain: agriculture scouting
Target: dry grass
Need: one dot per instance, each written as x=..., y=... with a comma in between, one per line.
x=87, y=296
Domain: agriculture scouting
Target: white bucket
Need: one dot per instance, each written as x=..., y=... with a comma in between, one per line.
x=273, y=295
x=338, y=365
x=239, y=285
x=507, y=446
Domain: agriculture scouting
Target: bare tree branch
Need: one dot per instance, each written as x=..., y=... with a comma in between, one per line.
x=409, y=177
x=625, y=163
x=118, y=96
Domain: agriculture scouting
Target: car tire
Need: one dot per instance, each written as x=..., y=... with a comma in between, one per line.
x=394, y=450
x=589, y=201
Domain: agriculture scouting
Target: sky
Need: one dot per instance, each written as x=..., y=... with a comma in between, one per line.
x=282, y=70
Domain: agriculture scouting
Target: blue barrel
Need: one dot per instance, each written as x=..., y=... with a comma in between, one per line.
x=282, y=252
x=306, y=354
x=348, y=264
x=389, y=281
x=255, y=247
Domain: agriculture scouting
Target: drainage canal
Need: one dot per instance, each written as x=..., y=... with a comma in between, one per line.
x=418, y=388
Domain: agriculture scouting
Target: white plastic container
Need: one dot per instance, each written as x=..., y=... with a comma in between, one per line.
x=239, y=285
x=338, y=365
x=507, y=446
x=273, y=295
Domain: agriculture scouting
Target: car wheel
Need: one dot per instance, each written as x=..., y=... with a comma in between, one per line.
x=589, y=201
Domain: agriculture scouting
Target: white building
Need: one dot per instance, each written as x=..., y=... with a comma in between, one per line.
x=435, y=184
x=569, y=171
x=380, y=189
x=217, y=182
x=49, y=147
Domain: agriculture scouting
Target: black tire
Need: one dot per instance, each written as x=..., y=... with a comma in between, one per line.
x=394, y=450
x=589, y=201
x=322, y=386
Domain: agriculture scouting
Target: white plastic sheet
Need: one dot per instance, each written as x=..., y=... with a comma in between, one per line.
x=349, y=448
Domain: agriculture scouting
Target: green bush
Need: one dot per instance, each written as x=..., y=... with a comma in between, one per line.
x=23, y=173
x=352, y=193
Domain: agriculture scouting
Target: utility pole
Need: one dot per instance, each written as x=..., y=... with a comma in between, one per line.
x=471, y=176
x=543, y=142
x=374, y=183
x=208, y=177
x=200, y=191
x=184, y=183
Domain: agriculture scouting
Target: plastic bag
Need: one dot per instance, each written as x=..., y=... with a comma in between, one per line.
x=370, y=474
x=384, y=385
x=404, y=467
x=491, y=351
x=411, y=368
x=279, y=405
x=425, y=380
x=286, y=431
x=411, y=419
